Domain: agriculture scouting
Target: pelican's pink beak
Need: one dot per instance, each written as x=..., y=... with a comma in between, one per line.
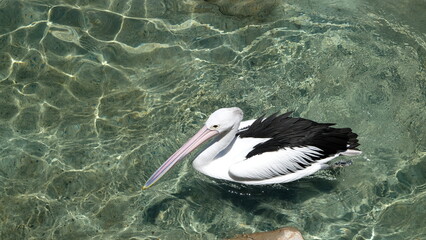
x=203, y=135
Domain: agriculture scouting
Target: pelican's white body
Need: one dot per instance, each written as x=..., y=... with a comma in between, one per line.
x=231, y=164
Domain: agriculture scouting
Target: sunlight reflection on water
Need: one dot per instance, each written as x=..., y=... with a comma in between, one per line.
x=95, y=96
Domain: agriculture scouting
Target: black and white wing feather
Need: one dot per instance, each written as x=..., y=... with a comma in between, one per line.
x=293, y=145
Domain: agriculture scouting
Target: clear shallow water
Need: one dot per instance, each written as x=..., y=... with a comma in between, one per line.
x=95, y=95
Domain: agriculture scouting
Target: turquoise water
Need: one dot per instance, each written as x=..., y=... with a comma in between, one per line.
x=95, y=95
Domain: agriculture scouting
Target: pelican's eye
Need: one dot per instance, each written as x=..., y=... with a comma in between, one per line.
x=215, y=126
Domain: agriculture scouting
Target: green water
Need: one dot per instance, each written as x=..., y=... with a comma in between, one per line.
x=95, y=95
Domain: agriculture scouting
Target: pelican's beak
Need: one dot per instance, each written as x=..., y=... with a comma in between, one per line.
x=203, y=135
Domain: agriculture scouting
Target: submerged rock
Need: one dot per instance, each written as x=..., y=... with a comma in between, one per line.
x=245, y=8
x=286, y=233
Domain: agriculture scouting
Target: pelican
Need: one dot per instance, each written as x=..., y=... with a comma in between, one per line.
x=275, y=149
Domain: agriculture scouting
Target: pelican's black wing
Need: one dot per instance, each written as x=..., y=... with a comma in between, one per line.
x=285, y=131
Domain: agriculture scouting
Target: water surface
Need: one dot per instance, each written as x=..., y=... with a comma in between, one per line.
x=95, y=95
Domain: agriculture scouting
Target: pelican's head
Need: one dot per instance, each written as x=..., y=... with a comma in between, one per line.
x=224, y=119
x=221, y=121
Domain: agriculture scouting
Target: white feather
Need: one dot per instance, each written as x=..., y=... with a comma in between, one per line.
x=235, y=152
x=266, y=168
x=246, y=124
x=272, y=164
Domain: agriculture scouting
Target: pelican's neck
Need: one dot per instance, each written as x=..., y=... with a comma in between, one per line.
x=219, y=144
